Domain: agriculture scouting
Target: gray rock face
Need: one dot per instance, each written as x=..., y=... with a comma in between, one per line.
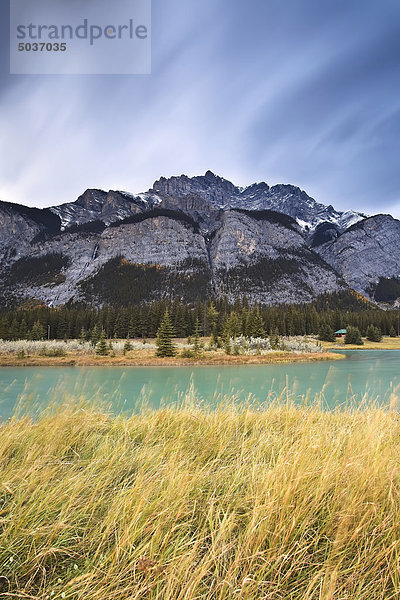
x=96, y=205
x=16, y=233
x=267, y=260
x=156, y=241
x=365, y=252
x=275, y=244
x=218, y=193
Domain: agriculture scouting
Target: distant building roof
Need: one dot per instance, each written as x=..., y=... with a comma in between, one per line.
x=341, y=332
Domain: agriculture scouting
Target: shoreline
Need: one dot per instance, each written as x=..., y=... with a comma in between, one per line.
x=144, y=359
x=387, y=343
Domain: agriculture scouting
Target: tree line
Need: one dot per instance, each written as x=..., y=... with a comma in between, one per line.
x=214, y=317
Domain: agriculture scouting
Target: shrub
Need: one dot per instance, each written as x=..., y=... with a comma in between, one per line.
x=187, y=353
x=53, y=351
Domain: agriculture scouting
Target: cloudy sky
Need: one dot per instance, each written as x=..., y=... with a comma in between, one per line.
x=283, y=91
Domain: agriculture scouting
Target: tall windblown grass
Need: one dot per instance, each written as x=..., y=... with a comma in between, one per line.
x=183, y=504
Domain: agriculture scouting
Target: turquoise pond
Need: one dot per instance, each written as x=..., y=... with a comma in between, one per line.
x=374, y=374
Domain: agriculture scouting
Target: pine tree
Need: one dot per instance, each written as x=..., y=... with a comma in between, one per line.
x=212, y=317
x=214, y=337
x=101, y=348
x=392, y=332
x=132, y=330
x=353, y=336
x=165, y=334
x=255, y=327
x=23, y=330
x=127, y=346
x=374, y=334
x=95, y=336
x=196, y=337
x=38, y=331
x=275, y=339
x=326, y=333
x=14, y=332
x=82, y=338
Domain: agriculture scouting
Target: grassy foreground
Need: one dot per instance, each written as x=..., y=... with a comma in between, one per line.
x=186, y=504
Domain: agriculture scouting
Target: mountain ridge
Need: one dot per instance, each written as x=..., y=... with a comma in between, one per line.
x=275, y=244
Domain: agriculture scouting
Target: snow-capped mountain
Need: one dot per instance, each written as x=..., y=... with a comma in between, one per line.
x=196, y=236
x=203, y=196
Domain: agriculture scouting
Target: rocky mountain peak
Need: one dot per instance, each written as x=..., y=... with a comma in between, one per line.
x=274, y=243
x=91, y=199
x=209, y=187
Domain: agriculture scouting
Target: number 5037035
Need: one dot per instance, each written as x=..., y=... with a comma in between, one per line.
x=42, y=47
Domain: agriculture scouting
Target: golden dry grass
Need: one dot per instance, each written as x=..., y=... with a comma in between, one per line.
x=146, y=357
x=387, y=343
x=184, y=504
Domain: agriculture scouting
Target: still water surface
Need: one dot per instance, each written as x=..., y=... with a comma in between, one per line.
x=364, y=373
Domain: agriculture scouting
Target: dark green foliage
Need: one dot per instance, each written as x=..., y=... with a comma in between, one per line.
x=176, y=215
x=91, y=227
x=38, y=332
x=83, y=336
x=41, y=270
x=353, y=336
x=127, y=346
x=143, y=320
x=374, y=334
x=43, y=217
x=165, y=334
x=324, y=232
x=196, y=337
x=261, y=274
x=94, y=338
x=275, y=340
x=186, y=353
x=326, y=333
x=102, y=349
x=387, y=290
x=271, y=216
x=254, y=325
x=122, y=283
x=346, y=300
x=392, y=332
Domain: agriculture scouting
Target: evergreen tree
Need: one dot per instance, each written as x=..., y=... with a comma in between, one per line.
x=38, y=331
x=94, y=338
x=255, y=324
x=127, y=346
x=196, y=337
x=214, y=337
x=101, y=348
x=374, y=334
x=132, y=329
x=23, y=330
x=14, y=332
x=82, y=337
x=353, y=336
x=326, y=333
x=392, y=332
x=212, y=317
x=275, y=340
x=165, y=334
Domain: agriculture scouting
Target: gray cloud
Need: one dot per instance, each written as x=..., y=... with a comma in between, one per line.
x=294, y=91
